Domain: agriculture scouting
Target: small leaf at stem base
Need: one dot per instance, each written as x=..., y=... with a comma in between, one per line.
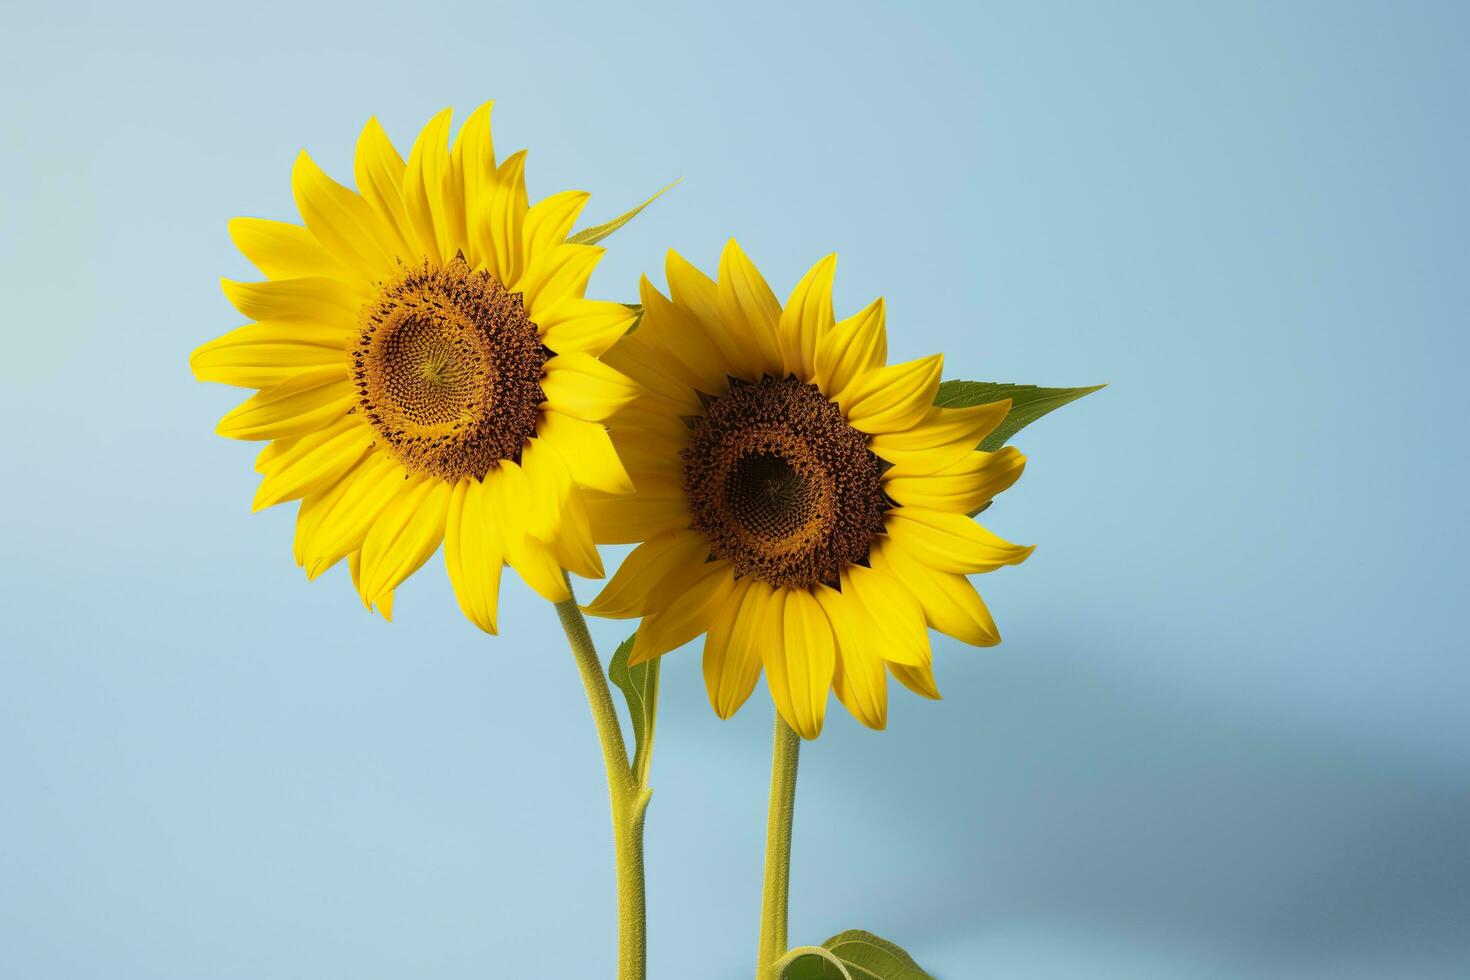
x=855, y=955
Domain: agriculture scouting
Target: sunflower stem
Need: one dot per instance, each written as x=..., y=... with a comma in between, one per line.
x=628, y=795
x=786, y=747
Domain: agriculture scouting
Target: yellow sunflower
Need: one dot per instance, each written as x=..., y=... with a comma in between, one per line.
x=428, y=369
x=799, y=503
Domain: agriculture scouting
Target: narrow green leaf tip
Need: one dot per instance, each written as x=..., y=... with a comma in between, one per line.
x=1028, y=403
x=595, y=234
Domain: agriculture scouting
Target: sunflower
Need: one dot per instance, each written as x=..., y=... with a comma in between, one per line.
x=805, y=507
x=428, y=370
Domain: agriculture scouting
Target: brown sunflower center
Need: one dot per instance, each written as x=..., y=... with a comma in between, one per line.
x=448, y=370
x=781, y=485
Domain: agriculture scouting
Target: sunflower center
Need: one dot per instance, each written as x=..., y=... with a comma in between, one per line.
x=448, y=370
x=781, y=485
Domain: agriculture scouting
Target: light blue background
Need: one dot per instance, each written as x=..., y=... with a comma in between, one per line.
x=1227, y=734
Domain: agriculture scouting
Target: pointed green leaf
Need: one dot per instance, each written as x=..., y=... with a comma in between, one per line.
x=639, y=685
x=1028, y=403
x=595, y=234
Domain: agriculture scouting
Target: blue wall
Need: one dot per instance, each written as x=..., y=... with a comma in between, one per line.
x=1226, y=736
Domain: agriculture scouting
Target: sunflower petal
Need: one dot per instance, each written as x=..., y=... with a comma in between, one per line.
x=799, y=669
x=688, y=617
x=472, y=554
x=378, y=170
x=950, y=542
x=807, y=317
x=531, y=558
x=434, y=207
x=732, y=658
x=587, y=451
x=585, y=387
x=951, y=604
x=310, y=299
x=944, y=437
x=283, y=251
x=852, y=348
x=626, y=594
x=315, y=461
x=858, y=679
x=303, y=403
x=750, y=309
x=341, y=220
x=962, y=488
x=585, y=326
x=899, y=632
x=892, y=398
x=266, y=353
x=409, y=530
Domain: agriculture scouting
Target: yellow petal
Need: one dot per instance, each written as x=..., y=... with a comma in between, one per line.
x=472, y=554
x=692, y=358
x=962, y=488
x=573, y=547
x=473, y=162
x=951, y=542
x=409, y=530
x=689, y=615
x=264, y=354
x=852, y=348
x=561, y=275
x=944, y=437
x=626, y=519
x=732, y=659
x=626, y=594
x=858, y=678
x=434, y=205
x=899, y=633
x=697, y=295
x=497, y=224
x=334, y=525
x=283, y=251
x=951, y=604
x=892, y=398
x=547, y=484
x=341, y=220
x=311, y=299
x=548, y=224
x=587, y=451
x=303, y=403
x=807, y=318
x=585, y=387
x=378, y=170
x=532, y=558
x=314, y=461
x=583, y=325
x=749, y=309
x=799, y=669
x=384, y=603
x=919, y=679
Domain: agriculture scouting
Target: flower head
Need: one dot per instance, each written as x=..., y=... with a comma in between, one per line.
x=805, y=507
x=428, y=369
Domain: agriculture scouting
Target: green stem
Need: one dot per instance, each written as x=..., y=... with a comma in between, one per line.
x=629, y=797
x=785, y=750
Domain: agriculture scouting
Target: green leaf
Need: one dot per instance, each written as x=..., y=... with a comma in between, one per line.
x=816, y=965
x=1028, y=403
x=640, y=689
x=595, y=234
x=852, y=955
x=867, y=957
